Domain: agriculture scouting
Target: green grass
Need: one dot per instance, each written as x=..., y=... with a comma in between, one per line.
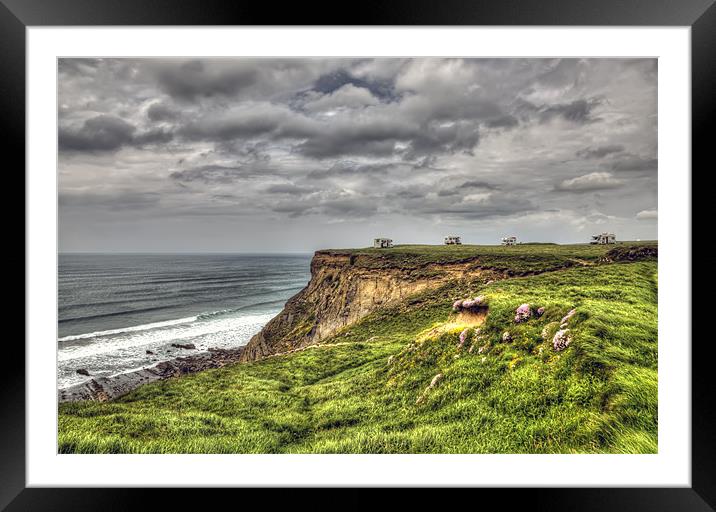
x=519, y=259
x=358, y=393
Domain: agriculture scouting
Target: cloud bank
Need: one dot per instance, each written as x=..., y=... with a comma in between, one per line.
x=298, y=154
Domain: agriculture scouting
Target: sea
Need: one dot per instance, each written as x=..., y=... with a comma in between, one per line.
x=122, y=312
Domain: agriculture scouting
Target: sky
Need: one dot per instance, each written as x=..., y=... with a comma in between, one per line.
x=295, y=155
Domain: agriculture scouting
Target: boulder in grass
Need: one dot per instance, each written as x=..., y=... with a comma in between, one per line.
x=523, y=313
x=463, y=337
x=83, y=371
x=567, y=317
x=506, y=337
x=432, y=384
x=471, y=305
x=561, y=339
x=539, y=312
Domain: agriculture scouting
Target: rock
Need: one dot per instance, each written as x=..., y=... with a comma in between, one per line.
x=539, y=312
x=631, y=254
x=84, y=372
x=506, y=337
x=463, y=337
x=569, y=315
x=432, y=384
x=561, y=340
x=150, y=353
x=477, y=304
x=523, y=313
x=109, y=388
x=186, y=346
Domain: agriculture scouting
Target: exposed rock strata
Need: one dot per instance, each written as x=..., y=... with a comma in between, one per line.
x=343, y=289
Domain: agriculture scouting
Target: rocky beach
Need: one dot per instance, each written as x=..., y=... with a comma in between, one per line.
x=103, y=389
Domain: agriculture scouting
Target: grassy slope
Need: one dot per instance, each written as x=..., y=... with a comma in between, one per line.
x=599, y=395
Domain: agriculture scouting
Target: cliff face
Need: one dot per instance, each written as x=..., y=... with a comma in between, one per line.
x=343, y=289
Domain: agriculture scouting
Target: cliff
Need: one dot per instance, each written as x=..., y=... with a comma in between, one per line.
x=345, y=287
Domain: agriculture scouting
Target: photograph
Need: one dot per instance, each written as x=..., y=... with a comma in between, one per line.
x=357, y=255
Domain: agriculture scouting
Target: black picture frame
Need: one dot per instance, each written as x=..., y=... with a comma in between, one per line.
x=699, y=15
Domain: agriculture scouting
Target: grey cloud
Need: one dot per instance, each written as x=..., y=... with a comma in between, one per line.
x=599, y=152
x=189, y=80
x=257, y=120
x=578, y=111
x=635, y=163
x=81, y=67
x=647, y=215
x=211, y=174
x=348, y=96
x=590, y=182
x=465, y=187
x=107, y=133
x=435, y=138
x=375, y=137
x=161, y=112
x=410, y=194
x=152, y=137
x=336, y=80
x=331, y=205
x=495, y=205
x=562, y=73
x=113, y=201
x=100, y=133
x=478, y=184
x=349, y=168
x=288, y=188
x=335, y=145
x=506, y=121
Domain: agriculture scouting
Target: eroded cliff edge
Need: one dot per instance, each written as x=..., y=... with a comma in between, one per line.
x=344, y=288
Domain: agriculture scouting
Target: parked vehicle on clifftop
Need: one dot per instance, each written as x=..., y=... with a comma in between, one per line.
x=603, y=238
x=382, y=243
